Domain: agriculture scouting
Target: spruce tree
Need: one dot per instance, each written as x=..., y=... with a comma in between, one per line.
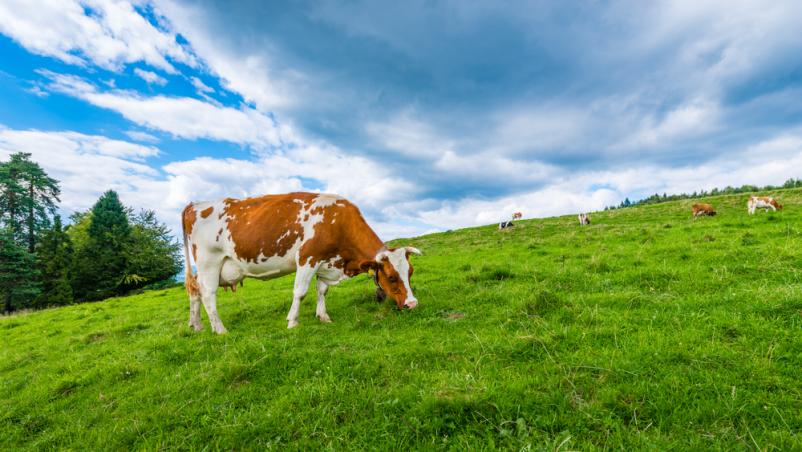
x=101, y=264
x=54, y=259
x=18, y=275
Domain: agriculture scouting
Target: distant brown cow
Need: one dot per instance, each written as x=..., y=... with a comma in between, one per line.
x=517, y=216
x=702, y=210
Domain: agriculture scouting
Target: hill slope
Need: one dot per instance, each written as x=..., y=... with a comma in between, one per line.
x=643, y=329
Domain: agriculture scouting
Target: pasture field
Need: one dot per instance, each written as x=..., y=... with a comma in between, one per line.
x=644, y=330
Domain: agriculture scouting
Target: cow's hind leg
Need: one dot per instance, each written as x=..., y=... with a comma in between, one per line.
x=303, y=277
x=208, y=280
x=321, y=313
x=193, y=291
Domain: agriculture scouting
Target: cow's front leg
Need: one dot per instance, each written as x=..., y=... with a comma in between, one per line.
x=322, y=287
x=303, y=277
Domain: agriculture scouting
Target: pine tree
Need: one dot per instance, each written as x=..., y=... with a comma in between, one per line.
x=54, y=259
x=11, y=199
x=101, y=264
x=18, y=275
x=29, y=196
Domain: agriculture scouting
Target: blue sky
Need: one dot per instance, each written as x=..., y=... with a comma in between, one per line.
x=428, y=115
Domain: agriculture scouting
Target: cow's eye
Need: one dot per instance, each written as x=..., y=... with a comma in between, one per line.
x=393, y=279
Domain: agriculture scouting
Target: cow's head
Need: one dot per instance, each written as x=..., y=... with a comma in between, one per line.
x=777, y=205
x=394, y=273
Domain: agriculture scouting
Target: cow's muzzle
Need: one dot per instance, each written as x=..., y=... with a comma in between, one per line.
x=411, y=304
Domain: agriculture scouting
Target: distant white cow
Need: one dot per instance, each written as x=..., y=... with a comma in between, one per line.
x=509, y=223
x=584, y=219
x=762, y=202
x=505, y=224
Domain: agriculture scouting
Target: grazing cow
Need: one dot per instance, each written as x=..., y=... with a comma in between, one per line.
x=505, y=224
x=702, y=210
x=762, y=202
x=517, y=216
x=584, y=219
x=270, y=236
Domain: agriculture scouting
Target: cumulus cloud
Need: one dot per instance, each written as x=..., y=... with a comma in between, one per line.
x=182, y=117
x=151, y=77
x=251, y=74
x=106, y=33
x=86, y=165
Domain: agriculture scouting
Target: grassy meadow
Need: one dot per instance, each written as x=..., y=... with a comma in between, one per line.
x=643, y=330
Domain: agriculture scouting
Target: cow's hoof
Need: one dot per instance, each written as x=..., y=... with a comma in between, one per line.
x=196, y=326
x=292, y=324
x=222, y=331
x=324, y=318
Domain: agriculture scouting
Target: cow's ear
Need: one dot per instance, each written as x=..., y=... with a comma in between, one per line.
x=366, y=266
x=412, y=250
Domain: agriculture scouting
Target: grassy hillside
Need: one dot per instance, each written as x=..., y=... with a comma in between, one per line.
x=645, y=329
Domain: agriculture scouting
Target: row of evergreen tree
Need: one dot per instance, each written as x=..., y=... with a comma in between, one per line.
x=656, y=198
x=106, y=251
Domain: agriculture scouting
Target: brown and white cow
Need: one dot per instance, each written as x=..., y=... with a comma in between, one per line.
x=584, y=219
x=517, y=216
x=702, y=209
x=265, y=237
x=762, y=202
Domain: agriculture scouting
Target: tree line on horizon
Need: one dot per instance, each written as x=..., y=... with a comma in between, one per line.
x=106, y=251
x=656, y=198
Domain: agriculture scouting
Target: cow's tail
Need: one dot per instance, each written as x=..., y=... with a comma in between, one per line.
x=190, y=281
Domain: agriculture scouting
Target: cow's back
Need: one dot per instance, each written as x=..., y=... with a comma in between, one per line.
x=265, y=226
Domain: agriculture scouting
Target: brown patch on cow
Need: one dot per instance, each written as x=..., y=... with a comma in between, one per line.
x=188, y=218
x=219, y=233
x=267, y=225
x=702, y=209
x=191, y=283
x=350, y=238
x=195, y=252
x=206, y=212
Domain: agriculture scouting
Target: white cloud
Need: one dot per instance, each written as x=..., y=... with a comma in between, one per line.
x=112, y=35
x=85, y=165
x=691, y=120
x=487, y=166
x=140, y=136
x=201, y=87
x=182, y=117
x=250, y=73
x=409, y=136
x=151, y=77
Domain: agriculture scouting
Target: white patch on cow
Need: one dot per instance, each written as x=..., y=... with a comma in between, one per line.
x=398, y=259
x=329, y=272
x=303, y=276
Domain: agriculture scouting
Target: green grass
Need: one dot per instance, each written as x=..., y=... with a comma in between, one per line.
x=643, y=330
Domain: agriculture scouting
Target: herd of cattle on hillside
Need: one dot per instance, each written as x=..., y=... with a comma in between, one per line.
x=309, y=234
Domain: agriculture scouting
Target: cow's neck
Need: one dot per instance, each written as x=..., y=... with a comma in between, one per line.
x=365, y=248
